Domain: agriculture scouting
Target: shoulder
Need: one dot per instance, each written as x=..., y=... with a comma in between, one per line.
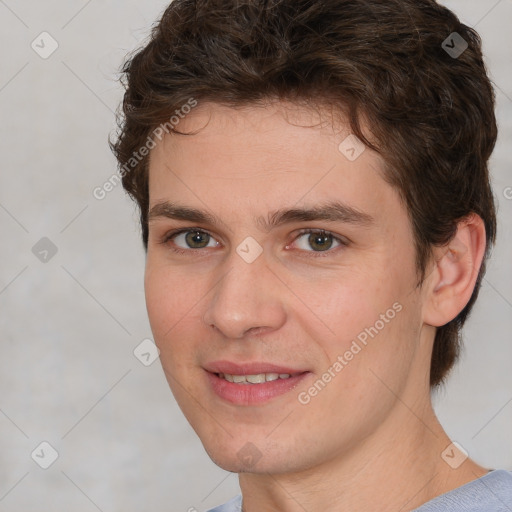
x=234, y=505
x=489, y=493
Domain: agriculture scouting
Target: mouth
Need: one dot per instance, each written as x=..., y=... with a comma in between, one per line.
x=245, y=387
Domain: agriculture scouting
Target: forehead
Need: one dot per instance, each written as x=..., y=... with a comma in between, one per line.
x=259, y=159
x=277, y=133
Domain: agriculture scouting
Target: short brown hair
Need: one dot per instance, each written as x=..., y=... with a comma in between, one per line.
x=431, y=113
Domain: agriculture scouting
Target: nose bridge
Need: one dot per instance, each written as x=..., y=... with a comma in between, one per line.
x=246, y=297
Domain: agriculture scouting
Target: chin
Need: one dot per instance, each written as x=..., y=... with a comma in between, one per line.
x=243, y=456
x=233, y=464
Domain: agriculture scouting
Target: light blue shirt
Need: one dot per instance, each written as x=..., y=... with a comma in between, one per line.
x=489, y=493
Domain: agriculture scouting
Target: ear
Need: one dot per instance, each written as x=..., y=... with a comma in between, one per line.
x=451, y=281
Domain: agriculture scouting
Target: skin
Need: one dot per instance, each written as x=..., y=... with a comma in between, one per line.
x=369, y=440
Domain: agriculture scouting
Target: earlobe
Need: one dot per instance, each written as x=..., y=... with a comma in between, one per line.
x=456, y=270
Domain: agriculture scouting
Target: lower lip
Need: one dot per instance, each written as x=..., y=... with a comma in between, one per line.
x=251, y=394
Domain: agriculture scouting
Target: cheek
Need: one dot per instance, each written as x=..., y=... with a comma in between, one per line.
x=353, y=302
x=366, y=359
x=170, y=301
x=173, y=313
x=160, y=299
x=368, y=320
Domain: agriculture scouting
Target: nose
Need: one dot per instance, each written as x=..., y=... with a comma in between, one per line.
x=249, y=297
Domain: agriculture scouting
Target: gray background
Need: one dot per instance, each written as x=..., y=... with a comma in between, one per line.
x=69, y=325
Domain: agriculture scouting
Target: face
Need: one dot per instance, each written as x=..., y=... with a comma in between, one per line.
x=302, y=264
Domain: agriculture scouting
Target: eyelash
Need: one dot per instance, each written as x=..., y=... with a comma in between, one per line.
x=315, y=254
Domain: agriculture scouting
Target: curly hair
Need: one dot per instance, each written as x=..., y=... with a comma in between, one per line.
x=430, y=111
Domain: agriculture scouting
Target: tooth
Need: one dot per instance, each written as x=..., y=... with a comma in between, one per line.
x=256, y=379
x=260, y=378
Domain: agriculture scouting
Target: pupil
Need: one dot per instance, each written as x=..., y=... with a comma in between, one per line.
x=195, y=237
x=320, y=240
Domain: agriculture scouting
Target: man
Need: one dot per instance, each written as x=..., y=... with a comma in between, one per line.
x=316, y=209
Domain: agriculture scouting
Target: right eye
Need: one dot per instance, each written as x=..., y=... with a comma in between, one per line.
x=192, y=239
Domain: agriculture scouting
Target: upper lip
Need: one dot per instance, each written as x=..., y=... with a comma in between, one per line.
x=254, y=368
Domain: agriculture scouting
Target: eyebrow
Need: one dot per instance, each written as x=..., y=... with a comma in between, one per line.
x=334, y=211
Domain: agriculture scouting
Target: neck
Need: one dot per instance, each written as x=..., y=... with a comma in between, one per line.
x=397, y=468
